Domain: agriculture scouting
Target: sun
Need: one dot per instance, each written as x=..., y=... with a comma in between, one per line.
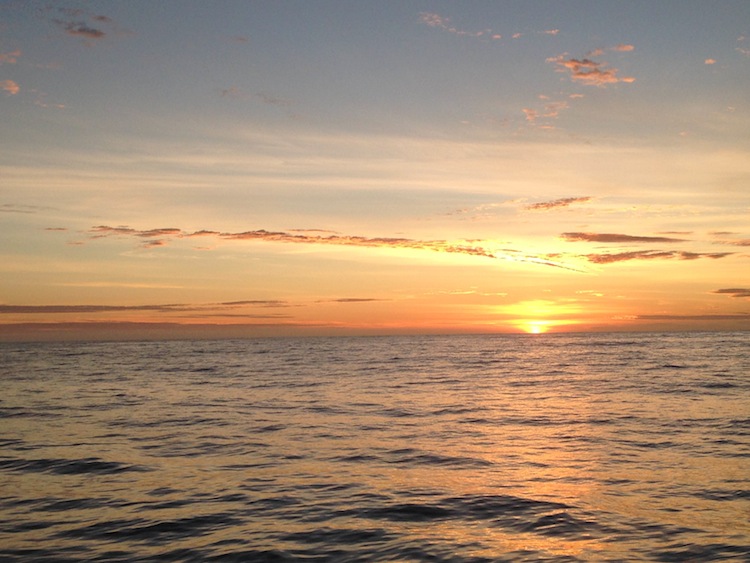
x=536, y=327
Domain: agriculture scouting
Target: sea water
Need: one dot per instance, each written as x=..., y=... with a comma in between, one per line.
x=584, y=447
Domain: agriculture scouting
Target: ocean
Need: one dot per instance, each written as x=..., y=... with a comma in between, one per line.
x=555, y=447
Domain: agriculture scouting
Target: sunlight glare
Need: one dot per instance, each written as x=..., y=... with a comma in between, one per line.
x=536, y=327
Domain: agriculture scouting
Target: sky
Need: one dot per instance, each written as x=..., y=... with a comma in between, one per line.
x=195, y=169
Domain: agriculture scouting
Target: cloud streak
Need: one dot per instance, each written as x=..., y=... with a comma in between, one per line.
x=736, y=292
x=161, y=308
x=441, y=22
x=557, y=203
x=614, y=237
x=652, y=255
x=159, y=237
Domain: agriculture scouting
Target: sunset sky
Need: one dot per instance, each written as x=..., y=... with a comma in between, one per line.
x=237, y=168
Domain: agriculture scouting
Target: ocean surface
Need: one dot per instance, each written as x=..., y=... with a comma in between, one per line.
x=606, y=447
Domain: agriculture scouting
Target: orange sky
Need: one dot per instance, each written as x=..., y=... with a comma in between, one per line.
x=240, y=169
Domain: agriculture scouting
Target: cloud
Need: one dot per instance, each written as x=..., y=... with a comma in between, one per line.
x=76, y=23
x=589, y=72
x=551, y=111
x=726, y=317
x=562, y=202
x=652, y=255
x=10, y=87
x=614, y=237
x=623, y=48
x=710, y=61
x=464, y=248
x=80, y=28
x=273, y=100
x=737, y=242
x=10, y=58
x=550, y=31
x=440, y=22
x=161, y=308
x=352, y=300
x=737, y=292
x=15, y=208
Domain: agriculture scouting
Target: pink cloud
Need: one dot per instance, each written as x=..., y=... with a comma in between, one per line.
x=10, y=87
x=10, y=58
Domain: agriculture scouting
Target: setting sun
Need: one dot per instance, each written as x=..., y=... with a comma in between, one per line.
x=536, y=327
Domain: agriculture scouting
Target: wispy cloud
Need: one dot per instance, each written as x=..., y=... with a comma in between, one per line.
x=715, y=317
x=742, y=49
x=465, y=248
x=10, y=86
x=10, y=58
x=80, y=23
x=81, y=29
x=551, y=110
x=615, y=237
x=610, y=258
x=160, y=308
x=444, y=23
x=17, y=208
x=557, y=203
x=732, y=242
x=737, y=292
x=352, y=300
x=588, y=71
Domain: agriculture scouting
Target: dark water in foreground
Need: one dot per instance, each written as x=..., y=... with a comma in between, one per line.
x=484, y=448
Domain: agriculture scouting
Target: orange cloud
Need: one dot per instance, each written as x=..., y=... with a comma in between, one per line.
x=10, y=87
x=588, y=71
x=613, y=237
x=10, y=58
x=623, y=48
